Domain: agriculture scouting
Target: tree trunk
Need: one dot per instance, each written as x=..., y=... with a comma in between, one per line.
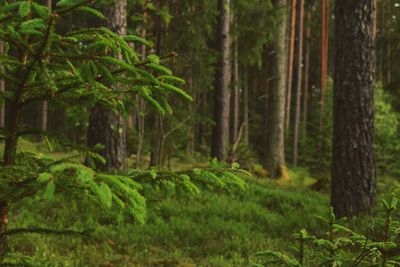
x=44, y=107
x=106, y=127
x=2, y=89
x=235, y=94
x=140, y=104
x=297, y=103
x=246, y=106
x=275, y=145
x=222, y=82
x=324, y=56
x=290, y=63
x=353, y=171
x=306, y=84
x=9, y=156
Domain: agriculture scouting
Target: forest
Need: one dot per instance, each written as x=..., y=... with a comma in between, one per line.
x=199, y=133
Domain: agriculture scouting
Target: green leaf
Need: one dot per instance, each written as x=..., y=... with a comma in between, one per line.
x=49, y=191
x=178, y=91
x=136, y=39
x=24, y=9
x=159, y=68
x=92, y=11
x=45, y=177
x=153, y=59
x=42, y=11
x=105, y=195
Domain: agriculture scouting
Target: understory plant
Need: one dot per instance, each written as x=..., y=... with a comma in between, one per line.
x=78, y=67
x=341, y=246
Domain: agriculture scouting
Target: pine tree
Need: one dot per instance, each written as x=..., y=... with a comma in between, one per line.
x=222, y=83
x=87, y=66
x=353, y=170
x=275, y=147
x=105, y=126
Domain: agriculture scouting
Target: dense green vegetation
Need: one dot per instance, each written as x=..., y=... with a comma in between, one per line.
x=199, y=133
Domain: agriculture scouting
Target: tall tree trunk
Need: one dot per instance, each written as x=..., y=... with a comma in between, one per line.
x=324, y=56
x=235, y=94
x=306, y=85
x=157, y=119
x=246, y=106
x=353, y=171
x=222, y=82
x=380, y=48
x=275, y=145
x=290, y=63
x=44, y=107
x=297, y=103
x=106, y=127
x=140, y=104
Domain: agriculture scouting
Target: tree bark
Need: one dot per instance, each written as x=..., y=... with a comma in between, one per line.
x=222, y=82
x=275, y=145
x=290, y=63
x=235, y=94
x=44, y=107
x=246, y=106
x=324, y=56
x=306, y=85
x=2, y=89
x=353, y=171
x=106, y=127
x=297, y=103
x=140, y=104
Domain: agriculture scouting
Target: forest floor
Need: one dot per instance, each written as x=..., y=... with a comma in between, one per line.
x=214, y=229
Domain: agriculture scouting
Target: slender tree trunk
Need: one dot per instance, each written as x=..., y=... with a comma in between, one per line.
x=297, y=103
x=192, y=135
x=246, y=106
x=324, y=56
x=222, y=83
x=44, y=107
x=235, y=94
x=275, y=145
x=307, y=71
x=105, y=127
x=381, y=57
x=156, y=135
x=290, y=63
x=2, y=89
x=9, y=156
x=353, y=171
x=140, y=104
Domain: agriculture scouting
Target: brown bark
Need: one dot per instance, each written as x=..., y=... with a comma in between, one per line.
x=222, y=83
x=291, y=62
x=44, y=107
x=275, y=146
x=353, y=171
x=306, y=85
x=235, y=94
x=246, y=107
x=106, y=127
x=140, y=104
x=297, y=102
x=324, y=55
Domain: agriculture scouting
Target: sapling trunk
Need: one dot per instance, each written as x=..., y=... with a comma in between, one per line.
x=10, y=150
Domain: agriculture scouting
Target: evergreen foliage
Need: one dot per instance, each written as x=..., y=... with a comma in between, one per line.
x=80, y=67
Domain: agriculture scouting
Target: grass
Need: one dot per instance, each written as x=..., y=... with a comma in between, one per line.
x=211, y=230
